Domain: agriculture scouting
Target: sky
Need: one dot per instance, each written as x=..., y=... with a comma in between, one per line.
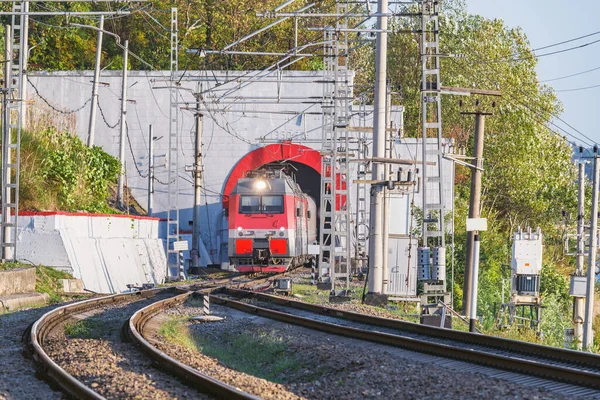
x=547, y=22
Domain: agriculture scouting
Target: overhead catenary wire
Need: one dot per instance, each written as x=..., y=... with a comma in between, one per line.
x=567, y=41
x=571, y=75
x=577, y=89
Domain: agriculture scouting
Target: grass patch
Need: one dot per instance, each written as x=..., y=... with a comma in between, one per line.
x=83, y=329
x=46, y=281
x=12, y=265
x=261, y=354
x=310, y=293
x=175, y=330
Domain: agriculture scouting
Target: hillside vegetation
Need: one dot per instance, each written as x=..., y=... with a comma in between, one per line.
x=59, y=172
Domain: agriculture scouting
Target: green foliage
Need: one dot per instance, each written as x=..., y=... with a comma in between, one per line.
x=83, y=329
x=46, y=281
x=60, y=173
x=554, y=284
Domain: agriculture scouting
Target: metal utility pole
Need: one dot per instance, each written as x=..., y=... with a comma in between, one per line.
x=7, y=253
x=195, y=253
x=94, y=105
x=588, y=334
x=386, y=192
x=474, y=205
x=150, y=170
x=474, y=281
x=376, y=213
x=20, y=28
x=578, y=302
x=123, y=125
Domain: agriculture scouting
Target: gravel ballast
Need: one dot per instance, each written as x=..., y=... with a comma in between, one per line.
x=17, y=373
x=330, y=366
x=111, y=367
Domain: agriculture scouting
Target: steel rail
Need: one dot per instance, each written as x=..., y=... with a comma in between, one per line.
x=47, y=322
x=539, y=369
x=201, y=381
x=43, y=326
x=516, y=346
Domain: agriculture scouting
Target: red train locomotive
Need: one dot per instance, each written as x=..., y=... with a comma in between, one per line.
x=271, y=223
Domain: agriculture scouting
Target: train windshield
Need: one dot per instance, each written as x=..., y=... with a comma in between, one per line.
x=272, y=204
x=261, y=204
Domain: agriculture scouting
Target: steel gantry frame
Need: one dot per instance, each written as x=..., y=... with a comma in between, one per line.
x=433, y=212
x=361, y=218
x=173, y=152
x=335, y=255
x=432, y=175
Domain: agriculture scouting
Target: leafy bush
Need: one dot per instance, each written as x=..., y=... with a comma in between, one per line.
x=59, y=172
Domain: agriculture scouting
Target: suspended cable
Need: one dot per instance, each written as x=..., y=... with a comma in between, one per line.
x=570, y=76
x=578, y=89
x=567, y=41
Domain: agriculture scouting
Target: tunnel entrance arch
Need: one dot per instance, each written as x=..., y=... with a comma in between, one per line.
x=306, y=163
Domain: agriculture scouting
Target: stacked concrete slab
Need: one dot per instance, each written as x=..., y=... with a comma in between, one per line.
x=17, y=290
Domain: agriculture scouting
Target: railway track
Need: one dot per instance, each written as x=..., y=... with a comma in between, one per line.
x=565, y=368
x=573, y=372
x=44, y=332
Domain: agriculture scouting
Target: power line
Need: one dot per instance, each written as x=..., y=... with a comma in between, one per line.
x=570, y=76
x=578, y=89
x=567, y=41
x=66, y=111
x=522, y=58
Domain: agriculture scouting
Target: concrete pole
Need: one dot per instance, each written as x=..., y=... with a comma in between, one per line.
x=94, y=105
x=578, y=302
x=474, y=282
x=474, y=205
x=6, y=150
x=150, y=170
x=123, y=125
x=378, y=174
x=386, y=192
x=24, y=58
x=588, y=334
x=195, y=253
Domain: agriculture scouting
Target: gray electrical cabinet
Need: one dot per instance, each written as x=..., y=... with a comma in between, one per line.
x=402, y=264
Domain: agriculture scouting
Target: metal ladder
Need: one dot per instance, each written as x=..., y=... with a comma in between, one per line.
x=173, y=152
x=361, y=223
x=11, y=142
x=336, y=253
x=433, y=188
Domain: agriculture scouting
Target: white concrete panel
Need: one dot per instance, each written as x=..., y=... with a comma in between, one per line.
x=106, y=252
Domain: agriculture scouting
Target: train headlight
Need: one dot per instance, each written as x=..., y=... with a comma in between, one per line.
x=240, y=233
x=281, y=231
x=260, y=184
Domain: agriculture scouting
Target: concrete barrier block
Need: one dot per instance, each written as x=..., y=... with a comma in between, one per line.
x=19, y=280
x=23, y=300
x=71, y=285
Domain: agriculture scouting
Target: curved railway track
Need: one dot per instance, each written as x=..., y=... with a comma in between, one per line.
x=55, y=320
x=560, y=365
x=140, y=334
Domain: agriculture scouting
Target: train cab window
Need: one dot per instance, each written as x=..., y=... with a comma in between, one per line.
x=249, y=204
x=272, y=204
